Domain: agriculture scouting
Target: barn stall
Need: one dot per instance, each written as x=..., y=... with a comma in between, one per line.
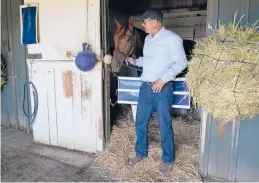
x=68, y=99
x=226, y=152
x=186, y=18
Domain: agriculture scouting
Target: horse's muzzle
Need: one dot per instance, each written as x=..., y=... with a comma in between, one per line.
x=116, y=66
x=117, y=61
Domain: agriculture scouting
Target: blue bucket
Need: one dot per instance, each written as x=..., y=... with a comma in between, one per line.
x=85, y=60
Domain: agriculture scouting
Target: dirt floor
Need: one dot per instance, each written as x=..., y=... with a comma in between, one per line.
x=20, y=163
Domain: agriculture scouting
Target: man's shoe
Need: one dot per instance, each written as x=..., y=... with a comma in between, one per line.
x=135, y=160
x=165, y=169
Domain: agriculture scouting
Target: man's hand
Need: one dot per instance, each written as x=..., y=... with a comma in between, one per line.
x=132, y=61
x=157, y=87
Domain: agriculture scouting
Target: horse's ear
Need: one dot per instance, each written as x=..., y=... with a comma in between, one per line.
x=131, y=22
x=117, y=22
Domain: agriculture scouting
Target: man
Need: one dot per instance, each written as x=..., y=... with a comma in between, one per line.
x=163, y=58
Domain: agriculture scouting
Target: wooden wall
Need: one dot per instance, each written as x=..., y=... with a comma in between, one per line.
x=177, y=4
x=70, y=111
x=64, y=25
x=137, y=6
x=70, y=106
x=186, y=23
x=185, y=17
x=221, y=11
x=12, y=94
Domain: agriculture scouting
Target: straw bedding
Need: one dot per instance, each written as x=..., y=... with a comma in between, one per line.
x=223, y=74
x=121, y=146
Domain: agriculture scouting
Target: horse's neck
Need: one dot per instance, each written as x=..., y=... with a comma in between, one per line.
x=140, y=37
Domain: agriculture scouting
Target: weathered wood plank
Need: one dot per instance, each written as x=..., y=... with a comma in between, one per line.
x=11, y=94
x=185, y=22
x=64, y=106
x=97, y=108
x=79, y=133
x=93, y=23
x=87, y=112
x=41, y=125
x=4, y=109
x=51, y=101
x=253, y=13
x=183, y=13
x=187, y=32
x=212, y=16
x=20, y=66
x=226, y=12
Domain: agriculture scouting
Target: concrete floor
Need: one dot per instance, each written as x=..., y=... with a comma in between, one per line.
x=22, y=160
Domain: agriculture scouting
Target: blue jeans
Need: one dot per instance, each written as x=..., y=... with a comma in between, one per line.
x=161, y=102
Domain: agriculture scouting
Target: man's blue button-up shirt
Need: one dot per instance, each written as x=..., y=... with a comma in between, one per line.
x=163, y=56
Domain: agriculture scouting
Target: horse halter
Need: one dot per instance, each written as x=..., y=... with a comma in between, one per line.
x=131, y=51
x=127, y=55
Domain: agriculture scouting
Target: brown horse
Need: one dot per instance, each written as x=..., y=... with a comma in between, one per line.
x=128, y=42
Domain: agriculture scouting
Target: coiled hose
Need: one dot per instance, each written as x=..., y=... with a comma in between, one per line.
x=35, y=98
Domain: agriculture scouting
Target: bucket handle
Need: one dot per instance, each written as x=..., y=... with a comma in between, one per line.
x=86, y=46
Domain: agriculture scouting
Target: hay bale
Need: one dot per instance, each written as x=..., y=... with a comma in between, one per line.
x=122, y=144
x=223, y=74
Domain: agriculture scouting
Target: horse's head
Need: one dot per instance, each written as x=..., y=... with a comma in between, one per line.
x=124, y=42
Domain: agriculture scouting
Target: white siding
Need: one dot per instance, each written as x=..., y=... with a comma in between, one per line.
x=70, y=111
x=64, y=25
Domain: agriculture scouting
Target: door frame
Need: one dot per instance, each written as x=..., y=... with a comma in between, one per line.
x=106, y=74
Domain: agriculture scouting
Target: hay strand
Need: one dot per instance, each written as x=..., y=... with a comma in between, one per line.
x=223, y=74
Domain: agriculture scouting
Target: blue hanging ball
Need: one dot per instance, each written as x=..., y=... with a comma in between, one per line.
x=85, y=60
